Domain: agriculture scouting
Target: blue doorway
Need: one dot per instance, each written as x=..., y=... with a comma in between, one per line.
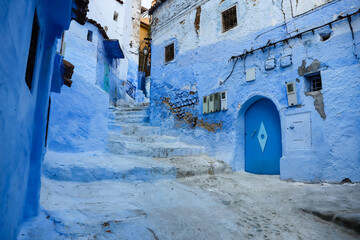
x=263, y=148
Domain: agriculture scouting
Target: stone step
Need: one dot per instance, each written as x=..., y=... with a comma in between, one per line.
x=128, y=114
x=89, y=167
x=196, y=165
x=113, y=136
x=127, y=110
x=158, y=150
x=131, y=115
x=133, y=129
x=131, y=119
x=121, y=106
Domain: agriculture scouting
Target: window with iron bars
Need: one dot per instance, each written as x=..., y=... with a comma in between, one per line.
x=169, y=53
x=314, y=82
x=229, y=19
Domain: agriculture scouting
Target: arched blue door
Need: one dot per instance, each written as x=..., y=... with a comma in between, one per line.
x=263, y=148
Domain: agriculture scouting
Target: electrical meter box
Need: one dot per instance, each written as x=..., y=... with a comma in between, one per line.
x=211, y=103
x=217, y=102
x=206, y=105
x=291, y=94
x=223, y=100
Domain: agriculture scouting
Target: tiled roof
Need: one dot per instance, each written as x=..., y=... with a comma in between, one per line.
x=79, y=10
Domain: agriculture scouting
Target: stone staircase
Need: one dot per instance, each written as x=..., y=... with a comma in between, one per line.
x=131, y=135
x=136, y=152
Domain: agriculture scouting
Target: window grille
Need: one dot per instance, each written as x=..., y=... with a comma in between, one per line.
x=229, y=18
x=290, y=88
x=90, y=36
x=169, y=53
x=314, y=82
x=32, y=51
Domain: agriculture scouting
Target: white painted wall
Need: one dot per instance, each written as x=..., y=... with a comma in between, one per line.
x=253, y=16
x=103, y=12
x=300, y=7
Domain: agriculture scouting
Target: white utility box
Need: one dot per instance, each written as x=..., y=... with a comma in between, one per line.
x=224, y=100
x=291, y=94
x=211, y=103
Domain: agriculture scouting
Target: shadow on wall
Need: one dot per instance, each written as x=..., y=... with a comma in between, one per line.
x=78, y=118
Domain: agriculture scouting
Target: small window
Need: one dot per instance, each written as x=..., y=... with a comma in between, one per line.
x=32, y=51
x=314, y=82
x=229, y=19
x=223, y=95
x=169, y=53
x=290, y=88
x=90, y=36
x=116, y=15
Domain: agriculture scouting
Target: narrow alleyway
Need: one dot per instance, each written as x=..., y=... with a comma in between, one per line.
x=155, y=187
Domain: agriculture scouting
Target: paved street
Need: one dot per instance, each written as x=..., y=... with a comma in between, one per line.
x=223, y=206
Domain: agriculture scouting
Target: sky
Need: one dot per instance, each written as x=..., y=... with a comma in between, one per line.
x=146, y=3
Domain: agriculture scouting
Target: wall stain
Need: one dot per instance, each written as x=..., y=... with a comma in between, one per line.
x=317, y=95
x=182, y=113
x=314, y=67
x=197, y=20
x=318, y=102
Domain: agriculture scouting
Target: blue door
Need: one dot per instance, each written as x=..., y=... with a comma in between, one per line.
x=263, y=148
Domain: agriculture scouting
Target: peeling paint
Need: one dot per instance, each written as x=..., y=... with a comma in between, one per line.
x=197, y=20
x=318, y=102
x=190, y=118
x=314, y=67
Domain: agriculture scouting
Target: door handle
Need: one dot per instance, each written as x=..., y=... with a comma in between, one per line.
x=254, y=132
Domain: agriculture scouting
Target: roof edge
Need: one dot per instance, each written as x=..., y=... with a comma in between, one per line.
x=156, y=5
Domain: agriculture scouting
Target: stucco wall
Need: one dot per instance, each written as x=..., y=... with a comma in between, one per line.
x=23, y=111
x=201, y=63
x=78, y=118
x=126, y=29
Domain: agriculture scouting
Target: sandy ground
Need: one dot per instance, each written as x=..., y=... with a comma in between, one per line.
x=229, y=206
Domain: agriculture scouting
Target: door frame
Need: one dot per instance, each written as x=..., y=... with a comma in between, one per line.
x=239, y=156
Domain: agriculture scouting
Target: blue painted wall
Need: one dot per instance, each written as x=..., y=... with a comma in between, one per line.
x=201, y=63
x=78, y=117
x=23, y=111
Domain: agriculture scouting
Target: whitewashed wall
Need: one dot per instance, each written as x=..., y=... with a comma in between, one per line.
x=123, y=29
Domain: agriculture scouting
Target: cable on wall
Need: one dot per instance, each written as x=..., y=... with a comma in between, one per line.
x=286, y=40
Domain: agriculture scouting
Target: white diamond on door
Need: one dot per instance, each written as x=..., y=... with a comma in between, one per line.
x=262, y=136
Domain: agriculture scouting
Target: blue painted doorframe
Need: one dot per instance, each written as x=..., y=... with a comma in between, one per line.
x=263, y=148
x=106, y=85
